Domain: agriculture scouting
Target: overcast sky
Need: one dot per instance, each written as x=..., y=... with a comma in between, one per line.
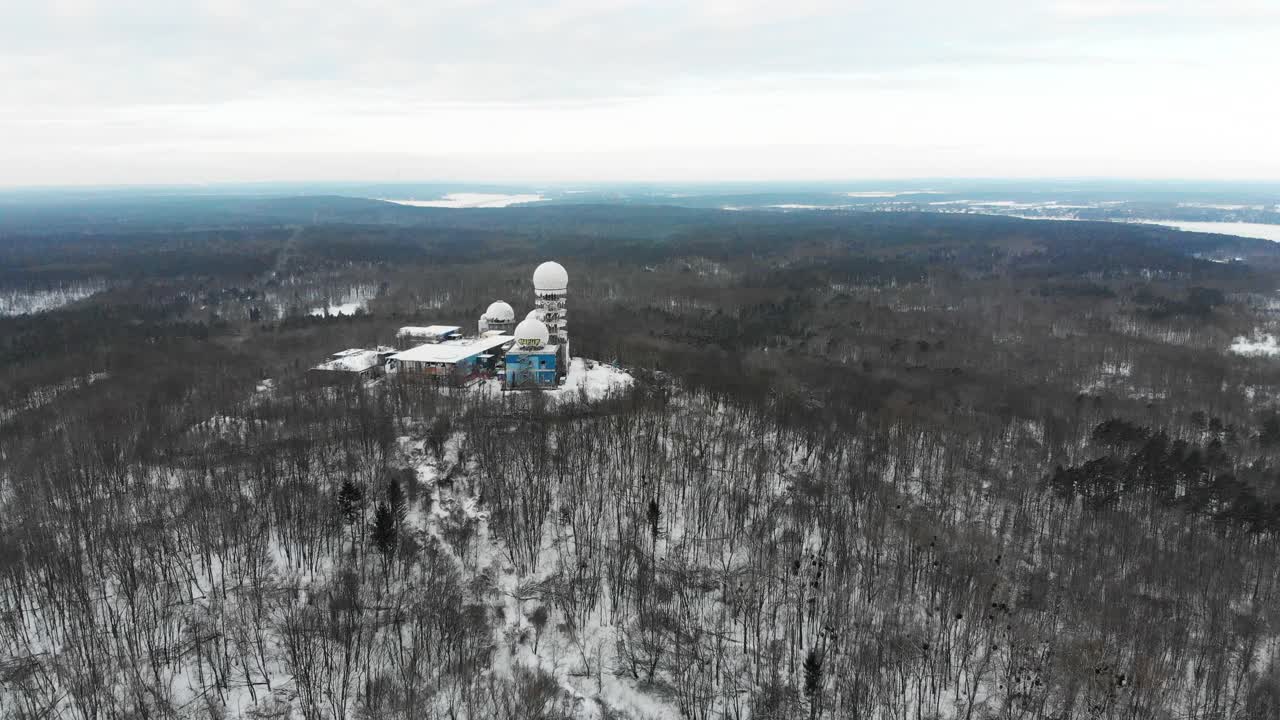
x=166, y=91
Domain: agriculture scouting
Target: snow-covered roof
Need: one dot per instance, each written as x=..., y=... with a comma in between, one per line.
x=452, y=351
x=353, y=360
x=427, y=330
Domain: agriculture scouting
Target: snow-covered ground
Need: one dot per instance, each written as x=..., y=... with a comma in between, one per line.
x=286, y=624
x=587, y=380
x=1107, y=375
x=1260, y=345
x=1215, y=206
x=44, y=395
x=1016, y=205
x=14, y=302
x=591, y=380
x=581, y=660
x=1262, y=231
x=346, y=308
x=354, y=300
x=888, y=193
x=473, y=200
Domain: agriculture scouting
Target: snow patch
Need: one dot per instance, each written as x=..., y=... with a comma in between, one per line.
x=15, y=302
x=1257, y=346
x=591, y=380
x=42, y=396
x=349, y=308
x=1261, y=231
x=353, y=301
x=889, y=193
x=1216, y=206
x=473, y=200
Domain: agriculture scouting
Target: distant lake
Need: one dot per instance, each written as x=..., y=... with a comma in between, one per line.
x=1243, y=229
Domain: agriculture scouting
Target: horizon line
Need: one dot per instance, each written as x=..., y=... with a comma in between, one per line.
x=232, y=184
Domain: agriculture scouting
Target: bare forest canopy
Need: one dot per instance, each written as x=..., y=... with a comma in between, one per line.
x=874, y=465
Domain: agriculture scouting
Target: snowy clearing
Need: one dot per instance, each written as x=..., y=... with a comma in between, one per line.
x=1257, y=346
x=353, y=301
x=473, y=200
x=348, y=308
x=591, y=380
x=1217, y=206
x=13, y=302
x=889, y=193
x=1261, y=231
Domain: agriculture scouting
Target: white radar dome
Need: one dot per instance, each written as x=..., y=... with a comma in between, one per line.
x=532, y=332
x=550, y=276
x=536, y=314
x=500, y=311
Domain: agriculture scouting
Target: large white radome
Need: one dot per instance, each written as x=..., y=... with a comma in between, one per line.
x=532, y=332
x=500, y=311
x=550, y=276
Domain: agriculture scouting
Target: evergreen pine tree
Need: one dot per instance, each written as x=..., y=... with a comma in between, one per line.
x=813, y=680
x=384, y=533
x=397, y=501
x=349, y=500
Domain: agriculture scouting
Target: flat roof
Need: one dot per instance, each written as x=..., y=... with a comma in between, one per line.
x=428, y=329
x=452, y=351
x=353, y=360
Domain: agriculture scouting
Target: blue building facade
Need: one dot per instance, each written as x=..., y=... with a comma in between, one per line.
x=532, y=368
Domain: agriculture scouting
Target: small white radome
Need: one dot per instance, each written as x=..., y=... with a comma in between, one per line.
x=500, y=311
x=532, y=332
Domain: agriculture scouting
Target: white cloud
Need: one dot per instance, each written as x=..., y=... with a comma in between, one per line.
x=92, y=91
x=1219, y=10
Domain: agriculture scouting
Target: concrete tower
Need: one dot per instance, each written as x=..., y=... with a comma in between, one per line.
x=551, y=286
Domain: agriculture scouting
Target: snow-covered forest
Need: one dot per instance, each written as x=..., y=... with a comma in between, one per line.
x=650, y=553
x=808, y=482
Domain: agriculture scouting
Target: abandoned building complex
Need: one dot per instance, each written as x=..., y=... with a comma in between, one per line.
x=533, y=354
